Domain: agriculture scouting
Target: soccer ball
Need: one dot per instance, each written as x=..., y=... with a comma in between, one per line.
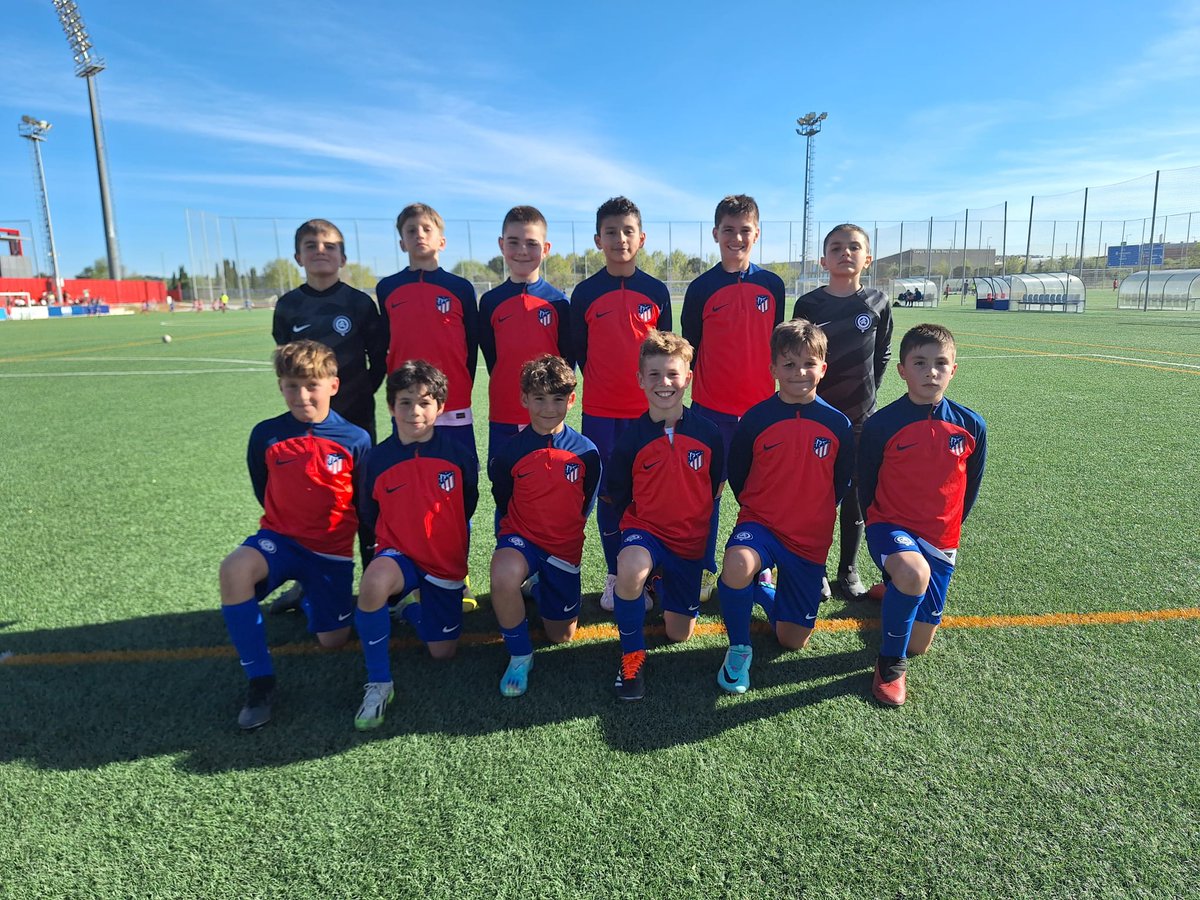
x=166, y=339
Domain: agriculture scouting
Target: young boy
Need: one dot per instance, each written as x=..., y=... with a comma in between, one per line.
x=544, y=481
x=858, y=324
x=522, y=319
x=920, y=464
x=611, y=312
x=728, y=315
x=431, y=314
x=345, y=320
x=419, y=490
x=789, y=467
x=663, y=479
x=303, y=465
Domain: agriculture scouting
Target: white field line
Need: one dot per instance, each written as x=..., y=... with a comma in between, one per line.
x=1134, y=359
x=151, y=372
x=266, y=364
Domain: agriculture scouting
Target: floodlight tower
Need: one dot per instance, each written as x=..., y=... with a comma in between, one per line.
x=34, y=130
x=87, y=67
x=810, y=126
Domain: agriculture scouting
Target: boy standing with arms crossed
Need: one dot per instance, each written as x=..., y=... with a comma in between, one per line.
x=522, y=319
x=858, y=323
x=789, y=467
x=611, y=313
x=419, y=490
x=303, y=466
x=919, y=469
x=728, y=315
x=663, y=480
x=544, y=482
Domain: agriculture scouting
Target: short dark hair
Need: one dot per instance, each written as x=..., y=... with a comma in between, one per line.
x=736, y=205
x=846, y=226
x=925, y=333
x=305, y=359
x=524, y=215
x=618, y=206
x=547, y=374
x=419, y=209
x=317, y=227
x=794, y=335
x=418, y=373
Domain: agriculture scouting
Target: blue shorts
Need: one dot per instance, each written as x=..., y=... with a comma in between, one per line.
x=604, y=432
x=441, y=600
x=726, y=423
x=883, y=540
x=798, y=587
x=680, y=592
x=328, y=581
x=557, y=591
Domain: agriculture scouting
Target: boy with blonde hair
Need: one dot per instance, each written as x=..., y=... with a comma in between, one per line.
x=303, y=466
x=789, y=467
x=663, y=478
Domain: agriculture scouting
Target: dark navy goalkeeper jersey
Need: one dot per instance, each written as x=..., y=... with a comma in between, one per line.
x=665, y=484
x=728, y=317
x=419, y=498
x=610, y=316
x=517, y=323
x=304, y=476
x=433, y=316
x=544, y=486
x=859, y=328
x=347, y=322
x=920, y=466
x=789, y=467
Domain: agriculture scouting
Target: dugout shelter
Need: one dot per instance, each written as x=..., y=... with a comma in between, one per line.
x=1167, y=289
x=1047, y=292
x=929, y=291
x=992, y=292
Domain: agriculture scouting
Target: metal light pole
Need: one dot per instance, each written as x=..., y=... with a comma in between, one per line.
x=87, y=67
x=810, y=125
x=34, y=130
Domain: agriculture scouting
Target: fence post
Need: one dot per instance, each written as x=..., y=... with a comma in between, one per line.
x=1028, y=239
x=1150, y=260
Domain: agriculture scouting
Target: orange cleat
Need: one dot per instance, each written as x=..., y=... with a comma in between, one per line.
x=890, y=693
x=875, y=592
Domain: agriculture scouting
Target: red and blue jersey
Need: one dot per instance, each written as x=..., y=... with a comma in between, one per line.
x=544, y=486
x=728, y=317
x=612, y=315
x=665, y=483
x=789, y=467
x=433, y=316
x=920, y=466
x=419, y=497
x=304, y=475
x=517, y=323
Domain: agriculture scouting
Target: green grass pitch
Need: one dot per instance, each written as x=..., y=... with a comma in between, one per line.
x=1048, y=757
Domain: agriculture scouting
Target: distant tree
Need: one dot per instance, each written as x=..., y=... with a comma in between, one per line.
x=98, y=269
x=180, y=280
x=474, y=270
x=360, y=276
x=280, y=275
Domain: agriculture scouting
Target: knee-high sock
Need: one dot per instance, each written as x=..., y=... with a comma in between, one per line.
x=516, y=639
x=851, y=530
x=374, y=630
x=631, y=621
x=610, y=533
x=736, y=608
x=249, y=636
x=897, y=613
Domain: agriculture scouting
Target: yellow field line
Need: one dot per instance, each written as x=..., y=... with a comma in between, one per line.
x=1166, y=367
x=607, y=632
x=58, y=354
x=1077, y=344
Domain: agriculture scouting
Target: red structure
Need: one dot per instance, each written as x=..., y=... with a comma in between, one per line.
x=101, y=289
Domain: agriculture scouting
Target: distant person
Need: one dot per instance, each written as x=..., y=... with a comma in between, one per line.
x=303, y=467
x=1114, y=284
x=728, y=315
x=920, y=464
x=522, y=319
x=858, y=324
x=418, y=492
x=223, y=302
x=917, y=296
x=611, y=314
x=790, y=467
x=544, y=482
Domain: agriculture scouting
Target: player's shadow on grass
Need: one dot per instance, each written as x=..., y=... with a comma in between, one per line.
x=168, y=685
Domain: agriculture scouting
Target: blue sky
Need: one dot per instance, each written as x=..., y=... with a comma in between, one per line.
x=348, y=111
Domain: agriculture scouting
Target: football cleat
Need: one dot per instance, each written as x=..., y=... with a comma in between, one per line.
x=849, y=586
x=631, y=678
x=890, y=693
x=288, y=600
x=826, y=590
x=257, y=711
x=734, y=677
x=515, y=681
x=607, y=601
x=375, y=703
x=708, y=586
x=469, y=603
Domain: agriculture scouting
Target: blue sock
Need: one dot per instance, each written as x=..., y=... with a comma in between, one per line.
x=412, y=615
x=736, y=609
x=517, y=640
x=631, y=620
x=374, y=629
x=245, y=624
x=764, y=596
x=897, y=613
x=710, y=549
x=610, y=533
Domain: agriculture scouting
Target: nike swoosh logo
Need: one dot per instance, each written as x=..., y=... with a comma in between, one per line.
x=628, y=633
x=524, y=474
x=905, y=446
x=601, y=315
x=247, y=662
x=397, y=304
x=505, y=318
x=345, y=616
x=823, y=324
x=901, y=634
x=693, y=608
x=296, y=329
x=449, y=629
x=284, y=462
x=771, y=446
x=722, y=306
x=572, y=606
x=650, y=465
x=376, y=641
x=396, y=488
x=810, y=618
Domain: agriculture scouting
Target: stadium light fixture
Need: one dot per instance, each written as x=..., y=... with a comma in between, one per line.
x=809, y=126
x=88, y=67
x=34, y=131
